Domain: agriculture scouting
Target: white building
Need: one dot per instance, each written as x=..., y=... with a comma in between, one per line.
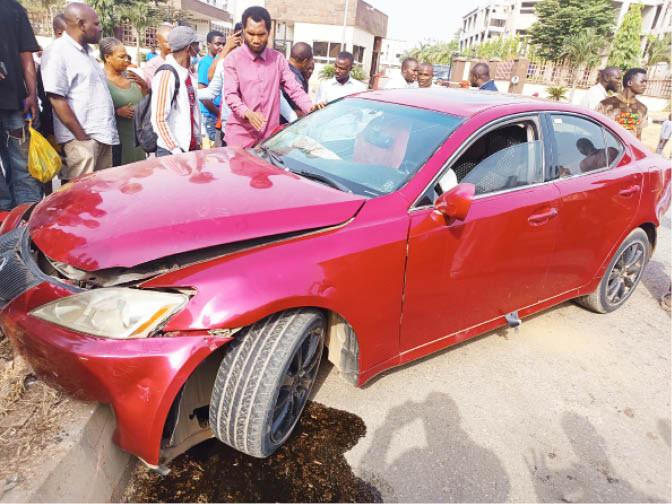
x=495, y=18
x=390, y=54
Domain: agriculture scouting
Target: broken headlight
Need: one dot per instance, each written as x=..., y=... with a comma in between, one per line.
x=116, y=312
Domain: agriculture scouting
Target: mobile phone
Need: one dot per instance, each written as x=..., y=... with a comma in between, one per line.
x=238, y=27
x=3, y=68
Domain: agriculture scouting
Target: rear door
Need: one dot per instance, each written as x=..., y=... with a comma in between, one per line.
x=600, y=188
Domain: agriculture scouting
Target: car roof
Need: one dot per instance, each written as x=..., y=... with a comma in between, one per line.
x=459, y=102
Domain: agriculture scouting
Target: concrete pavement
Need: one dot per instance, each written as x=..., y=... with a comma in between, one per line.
x=573, y=407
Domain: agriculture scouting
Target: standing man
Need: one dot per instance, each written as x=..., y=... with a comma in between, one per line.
x=177, y=119
x=609, y=80
x=59, y=25
x=665, y=133
x=76, y=86
x=150, y=54
x=158, y=60
x=300, y=57
x=625, y=108
x=341, y=84
x=210, y=108
x=253, y=76
x=18, y=97
x=407, y=77
x=479, y=76
x=426, y=75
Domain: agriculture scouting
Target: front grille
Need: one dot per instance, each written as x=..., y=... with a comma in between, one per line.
x=15, y=277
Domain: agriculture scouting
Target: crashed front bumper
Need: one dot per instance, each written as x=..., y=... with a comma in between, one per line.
x=140, y=378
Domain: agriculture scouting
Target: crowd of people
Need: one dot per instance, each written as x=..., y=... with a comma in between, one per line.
x=237, y=94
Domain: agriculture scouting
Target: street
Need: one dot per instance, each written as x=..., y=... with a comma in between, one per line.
x=573, y=407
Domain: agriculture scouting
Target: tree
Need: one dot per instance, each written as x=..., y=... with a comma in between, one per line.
x=140, y=15
x=557, y=93
x=437, y=53
x=356, y=73
x=582, y=50
x=625, y=52
x=557, y=20
x=659, y=50
x=107, y=14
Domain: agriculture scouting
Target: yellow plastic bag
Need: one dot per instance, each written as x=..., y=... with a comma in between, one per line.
x=43, y=161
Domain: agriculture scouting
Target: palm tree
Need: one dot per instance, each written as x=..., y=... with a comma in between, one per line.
x=658, y=50
x=582, y=50
x=140, y=15
x=557, y=93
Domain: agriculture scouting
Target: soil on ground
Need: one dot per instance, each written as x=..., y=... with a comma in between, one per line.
x=30, y=417
x=310, y=467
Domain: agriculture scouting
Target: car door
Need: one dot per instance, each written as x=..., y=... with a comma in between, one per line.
x=464, y=273
x=600, y=188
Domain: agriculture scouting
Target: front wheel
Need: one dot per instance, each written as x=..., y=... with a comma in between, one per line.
x=622, y=275
x=264, y=381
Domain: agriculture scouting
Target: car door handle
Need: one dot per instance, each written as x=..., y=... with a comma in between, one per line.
x=629, y=191
x=543, y=217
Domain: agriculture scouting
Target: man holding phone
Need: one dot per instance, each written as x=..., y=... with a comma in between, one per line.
x=253, y=77
x=18, y=97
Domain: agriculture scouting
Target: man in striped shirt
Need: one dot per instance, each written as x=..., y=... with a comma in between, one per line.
x=176, y=117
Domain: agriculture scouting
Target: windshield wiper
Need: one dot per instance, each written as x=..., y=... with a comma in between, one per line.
x=271, y=156
x=321, y=178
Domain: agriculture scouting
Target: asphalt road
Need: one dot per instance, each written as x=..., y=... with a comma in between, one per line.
x=573, y=407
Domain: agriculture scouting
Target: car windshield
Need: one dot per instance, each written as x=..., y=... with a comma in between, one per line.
x=362, y=146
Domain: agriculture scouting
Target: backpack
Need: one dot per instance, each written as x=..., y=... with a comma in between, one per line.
x=145, y=136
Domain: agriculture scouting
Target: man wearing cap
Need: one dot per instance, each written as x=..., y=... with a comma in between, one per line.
x=176, y=118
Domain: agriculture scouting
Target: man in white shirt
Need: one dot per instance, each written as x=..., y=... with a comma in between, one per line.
x=407, y=77
x=425, y=75
x=610, y=80
x=340, y=84
x=84, y=116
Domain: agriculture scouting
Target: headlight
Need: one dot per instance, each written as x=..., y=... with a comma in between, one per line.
x=115, y=312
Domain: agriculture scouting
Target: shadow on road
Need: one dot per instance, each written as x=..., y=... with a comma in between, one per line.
x=460, y=470
x=655, y=279
x=591, y=479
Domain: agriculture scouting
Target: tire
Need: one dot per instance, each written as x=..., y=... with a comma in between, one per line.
x=621, y=276
x=258, y=395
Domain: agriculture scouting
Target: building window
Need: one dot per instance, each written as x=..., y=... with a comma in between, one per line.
x=358, y=53
x=284, y=38
x=150, y=36
x=326, y=52
x=497, y=22
x=126, y=32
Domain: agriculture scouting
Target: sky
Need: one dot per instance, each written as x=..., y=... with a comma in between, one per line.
x=417, y=20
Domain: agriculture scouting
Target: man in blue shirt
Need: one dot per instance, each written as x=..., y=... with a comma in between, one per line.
x=210, y=108
x=150, y=54
x=479, y=77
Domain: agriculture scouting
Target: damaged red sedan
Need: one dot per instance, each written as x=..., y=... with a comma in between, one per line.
x=195, y=293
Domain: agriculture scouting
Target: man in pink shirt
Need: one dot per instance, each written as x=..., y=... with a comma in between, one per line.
x=162, y=33
x=253, y=76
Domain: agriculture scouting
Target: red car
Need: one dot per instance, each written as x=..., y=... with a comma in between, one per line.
x=195, y=293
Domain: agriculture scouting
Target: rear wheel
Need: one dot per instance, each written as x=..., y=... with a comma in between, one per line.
x=264, y=381
x=622, y=275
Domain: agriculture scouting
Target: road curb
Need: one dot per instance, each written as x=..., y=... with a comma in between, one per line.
x=85, y=467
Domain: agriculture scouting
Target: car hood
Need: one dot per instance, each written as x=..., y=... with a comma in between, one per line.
x=125, y=216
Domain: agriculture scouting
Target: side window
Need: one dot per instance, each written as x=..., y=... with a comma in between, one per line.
x=615, y=148
x=504, y=158
x=580, y=145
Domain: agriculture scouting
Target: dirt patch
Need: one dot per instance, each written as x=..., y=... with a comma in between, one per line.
x=310, y=467
x=30, y=417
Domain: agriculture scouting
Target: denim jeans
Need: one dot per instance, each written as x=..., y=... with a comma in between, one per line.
x=17, y=186
x=210, y=127
x=160, y=152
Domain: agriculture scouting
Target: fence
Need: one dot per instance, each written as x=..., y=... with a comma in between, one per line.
x=660, y=84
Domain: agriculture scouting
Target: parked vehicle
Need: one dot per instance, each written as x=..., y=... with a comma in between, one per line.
x=195, y=293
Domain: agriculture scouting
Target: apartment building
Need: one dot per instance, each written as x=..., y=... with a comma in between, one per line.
x=494, y=18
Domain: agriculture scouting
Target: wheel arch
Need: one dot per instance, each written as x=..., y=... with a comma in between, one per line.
x=652, y=232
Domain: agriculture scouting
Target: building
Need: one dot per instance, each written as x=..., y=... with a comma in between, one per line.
x=391, y=53
x=329, y=29
x=495, y=18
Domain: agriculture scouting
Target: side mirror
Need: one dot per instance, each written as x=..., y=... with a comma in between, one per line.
x=456, y=202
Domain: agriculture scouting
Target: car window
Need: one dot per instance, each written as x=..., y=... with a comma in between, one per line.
x=504, y=158
x=371, y=147
x=580, y=145
x=615, y=148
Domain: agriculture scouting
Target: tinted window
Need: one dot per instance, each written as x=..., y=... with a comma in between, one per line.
x=507, y=157
x=580, y=145
x=614, y=147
